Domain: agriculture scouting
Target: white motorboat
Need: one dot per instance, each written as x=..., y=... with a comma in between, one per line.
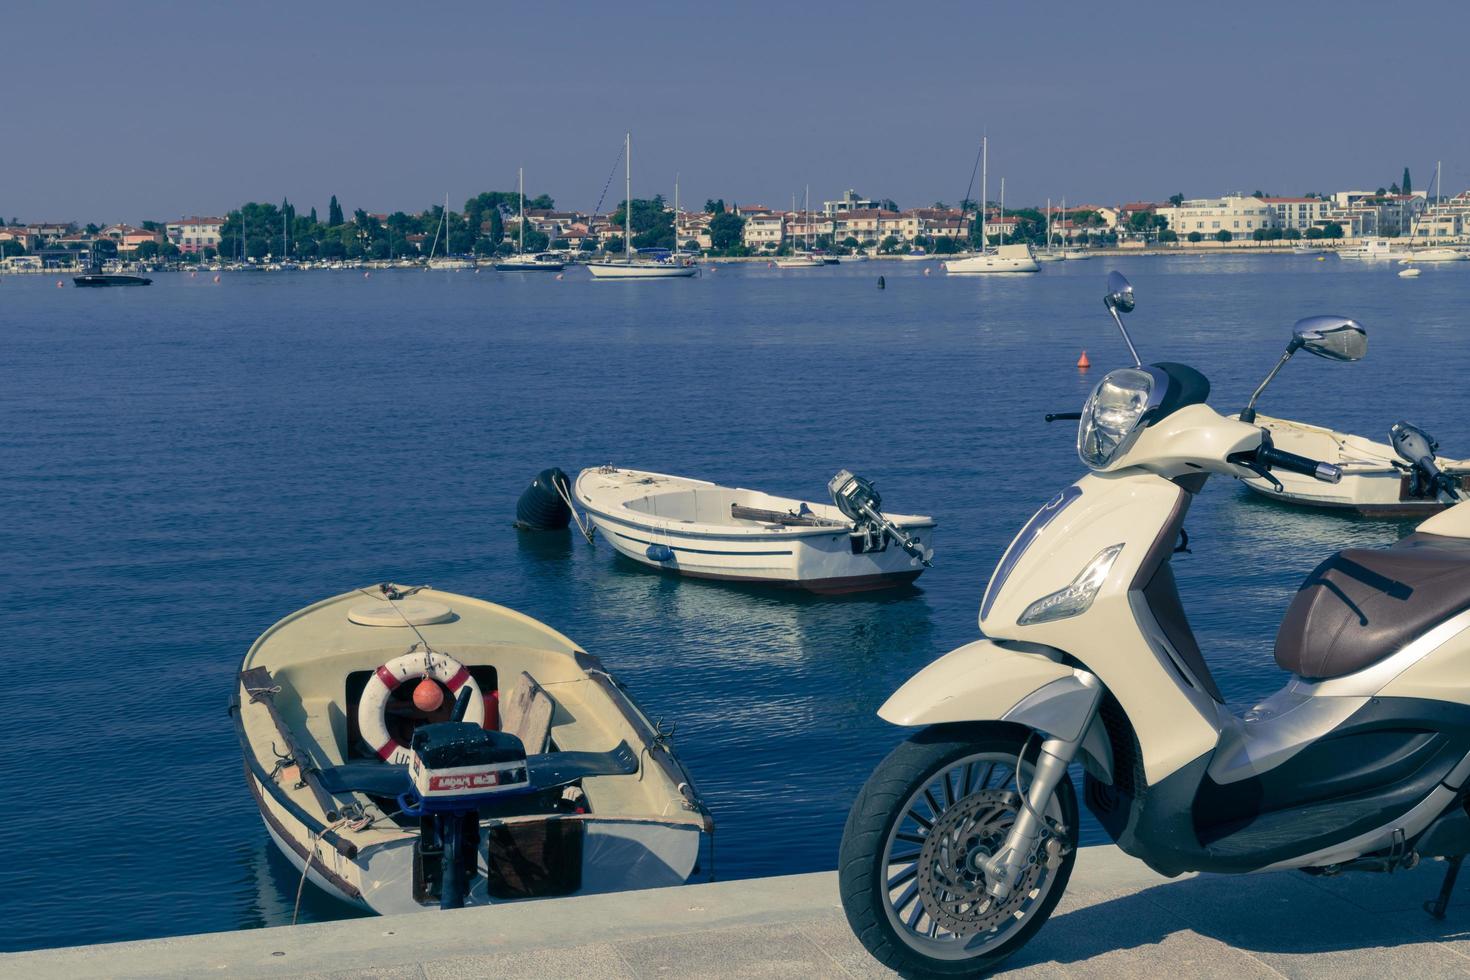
x=1076, y=254
x=387, y=729
x=521, y=262
x=1045, y=255
x=916, y=255
x=1375, y=480
x=531, y=262
x=1016, y=257
x=1366, y=477
x=700, y=529
x=1305, y=250
x=1409, y=273
x=645, y=263
x=1374, y=249
x=852, y=257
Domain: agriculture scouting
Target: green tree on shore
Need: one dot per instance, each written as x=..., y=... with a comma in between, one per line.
x=334, y=213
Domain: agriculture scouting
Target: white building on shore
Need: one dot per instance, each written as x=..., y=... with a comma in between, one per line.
x=1299, y=213
x=1239, y=215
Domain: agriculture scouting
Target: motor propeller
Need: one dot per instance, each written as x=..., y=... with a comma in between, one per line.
x=859, y=501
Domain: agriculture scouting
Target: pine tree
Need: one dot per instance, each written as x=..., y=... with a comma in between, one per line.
x=1408, y=184
x=334, y=213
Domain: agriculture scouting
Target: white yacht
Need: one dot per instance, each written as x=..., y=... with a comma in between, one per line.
x=1376, y=248
x=1443, y=253
x=1015, y=257
x=646, y=263
x=521, y=262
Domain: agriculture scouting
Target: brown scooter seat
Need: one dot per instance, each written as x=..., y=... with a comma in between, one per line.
x=1361, y=606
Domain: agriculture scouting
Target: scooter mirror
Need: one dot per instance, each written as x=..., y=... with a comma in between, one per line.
x=1120, y=293
x=1336, y=338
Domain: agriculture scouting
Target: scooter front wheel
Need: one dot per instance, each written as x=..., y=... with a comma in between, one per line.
x=909, y=868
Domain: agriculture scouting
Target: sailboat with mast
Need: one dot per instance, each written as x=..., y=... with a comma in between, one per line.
x=803, y=259
x=640, y=265
x=441, y=234
x=1049, y=254
x=1015, y=257
x=521, y=262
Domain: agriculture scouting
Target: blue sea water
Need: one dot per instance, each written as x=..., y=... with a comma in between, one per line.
x=182, y=465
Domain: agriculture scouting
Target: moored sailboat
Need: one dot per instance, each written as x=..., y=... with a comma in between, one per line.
x=656, y=265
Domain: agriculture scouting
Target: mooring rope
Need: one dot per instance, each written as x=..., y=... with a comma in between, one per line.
x=576, y=518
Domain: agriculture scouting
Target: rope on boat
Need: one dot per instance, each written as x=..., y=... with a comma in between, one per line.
x=585, y=528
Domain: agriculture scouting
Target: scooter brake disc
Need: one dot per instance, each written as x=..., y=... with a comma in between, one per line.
x=951, y=881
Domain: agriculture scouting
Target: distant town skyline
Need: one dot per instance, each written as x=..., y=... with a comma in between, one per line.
x=155, y=111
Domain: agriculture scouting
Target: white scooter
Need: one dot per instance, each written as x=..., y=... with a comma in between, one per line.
x=962, y=841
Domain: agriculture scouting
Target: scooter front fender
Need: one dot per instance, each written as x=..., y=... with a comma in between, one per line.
x=983, y=681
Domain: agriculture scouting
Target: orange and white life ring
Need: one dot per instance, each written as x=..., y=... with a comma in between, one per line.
x=371, y=708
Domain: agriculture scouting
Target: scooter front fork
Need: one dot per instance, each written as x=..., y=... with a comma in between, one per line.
x=1004, y=868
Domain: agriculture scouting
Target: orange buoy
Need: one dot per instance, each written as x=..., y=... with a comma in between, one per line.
x=1083, y=363
x=427, y=695
x=367, y=275
x=60, y=284
x=193, y=275
x=560, y=276
x=927, y=271
x=770, y=265
x=216, y=277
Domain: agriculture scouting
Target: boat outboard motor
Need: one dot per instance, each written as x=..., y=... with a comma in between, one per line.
x=1417, y=448
x=457, y=767
x=858, y=499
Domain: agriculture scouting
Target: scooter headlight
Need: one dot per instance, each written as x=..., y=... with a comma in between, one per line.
x=1111, y=416
x=1076, y=598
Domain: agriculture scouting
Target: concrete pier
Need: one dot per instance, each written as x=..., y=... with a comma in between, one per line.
x=1118, y=919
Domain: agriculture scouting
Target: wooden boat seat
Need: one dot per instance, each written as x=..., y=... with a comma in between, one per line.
x=527, y=713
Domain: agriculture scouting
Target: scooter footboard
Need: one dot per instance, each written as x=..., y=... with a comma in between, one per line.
x=983, y=681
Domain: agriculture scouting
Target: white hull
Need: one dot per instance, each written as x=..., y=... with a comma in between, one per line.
x=1371, y=483
x=844, y=259
x=1438, y=255
x=1050, y=257
x=452, y=265
x=1076, y=254
x=641, y=827
x=681, y=525
x=1381, y=250
x=799, y=263
x=640, y=270
x=1006, y=258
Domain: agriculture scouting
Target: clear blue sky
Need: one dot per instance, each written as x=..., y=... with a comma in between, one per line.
x=124, y=111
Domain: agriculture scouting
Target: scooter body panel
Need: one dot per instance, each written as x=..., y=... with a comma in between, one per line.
x=983, y=681
x=1452, y=522
x=1175, y=723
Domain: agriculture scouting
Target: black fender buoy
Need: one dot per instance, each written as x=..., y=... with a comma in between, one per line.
x=881, y=283
x=542, y=506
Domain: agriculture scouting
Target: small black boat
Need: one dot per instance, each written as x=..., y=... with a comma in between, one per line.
x=109, y=279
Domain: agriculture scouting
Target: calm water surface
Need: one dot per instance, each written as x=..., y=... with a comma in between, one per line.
x=187, y=463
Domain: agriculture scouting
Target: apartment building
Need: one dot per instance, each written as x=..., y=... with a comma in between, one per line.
x=1299, y=213
x=1210, y=216
x=850, y=201
x=195, y=234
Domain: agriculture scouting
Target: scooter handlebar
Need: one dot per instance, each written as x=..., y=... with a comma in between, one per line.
x=1279, y=459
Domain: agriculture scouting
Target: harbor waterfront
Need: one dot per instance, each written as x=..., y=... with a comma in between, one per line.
x=189, y=463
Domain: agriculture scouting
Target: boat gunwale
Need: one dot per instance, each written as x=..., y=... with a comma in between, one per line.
x=722, y=532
